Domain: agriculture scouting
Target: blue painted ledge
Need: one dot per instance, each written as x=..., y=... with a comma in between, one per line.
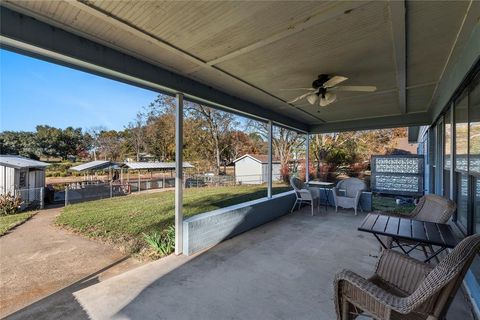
x=210, y=228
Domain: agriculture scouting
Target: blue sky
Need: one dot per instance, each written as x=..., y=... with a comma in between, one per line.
x=34, y=92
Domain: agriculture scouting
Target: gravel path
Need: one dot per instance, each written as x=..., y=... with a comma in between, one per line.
x=38, y=259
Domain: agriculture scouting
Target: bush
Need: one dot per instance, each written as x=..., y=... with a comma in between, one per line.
x=162, y=242
x=9, y=204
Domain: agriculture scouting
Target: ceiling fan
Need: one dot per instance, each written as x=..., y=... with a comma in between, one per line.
x=323, y=90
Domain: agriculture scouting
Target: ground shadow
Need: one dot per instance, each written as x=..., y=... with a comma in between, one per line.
x=61, y=304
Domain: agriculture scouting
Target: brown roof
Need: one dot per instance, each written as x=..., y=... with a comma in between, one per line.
x=263, y=158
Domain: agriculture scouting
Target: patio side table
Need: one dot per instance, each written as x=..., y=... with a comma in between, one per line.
x=325, y=186
x=419, y=232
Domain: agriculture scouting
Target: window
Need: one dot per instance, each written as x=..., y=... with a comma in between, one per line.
x=461, y=158
x=461, y=134
x=476, y=205
x=447, y=140
x=22, y=183
x=474, y=118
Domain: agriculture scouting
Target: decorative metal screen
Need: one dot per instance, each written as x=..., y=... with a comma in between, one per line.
x=398, y=174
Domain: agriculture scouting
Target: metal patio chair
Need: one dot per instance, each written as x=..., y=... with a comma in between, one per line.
x=353, y=190
x=404, y=288
x=303, y=194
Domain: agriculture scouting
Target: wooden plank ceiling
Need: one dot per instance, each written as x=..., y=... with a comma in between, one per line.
x=254, y=50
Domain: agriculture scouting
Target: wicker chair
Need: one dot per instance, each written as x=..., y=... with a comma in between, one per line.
x=404, y=288
x=304, y=195
x=432, y=208
x=353, y=190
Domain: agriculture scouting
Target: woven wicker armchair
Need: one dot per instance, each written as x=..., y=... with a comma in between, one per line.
x=353, y=190
x=405, y=288
x=432, y=208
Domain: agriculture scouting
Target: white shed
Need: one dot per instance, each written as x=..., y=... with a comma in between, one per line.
x=19, y=175
x=252, y=169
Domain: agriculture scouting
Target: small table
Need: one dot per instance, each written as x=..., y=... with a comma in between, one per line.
x=325, y=186
x=416, y=231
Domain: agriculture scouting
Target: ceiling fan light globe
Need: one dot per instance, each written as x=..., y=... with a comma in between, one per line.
x=323, y=102
x=330, y=97
x=312, y=98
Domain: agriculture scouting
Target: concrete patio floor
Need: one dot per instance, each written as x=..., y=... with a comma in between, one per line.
x=282, y=270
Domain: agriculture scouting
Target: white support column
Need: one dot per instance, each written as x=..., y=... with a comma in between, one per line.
x=270, y=159
x=307, y=159
x=179, y=175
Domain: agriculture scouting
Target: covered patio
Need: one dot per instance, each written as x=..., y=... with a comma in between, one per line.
x=250, y=59
x=281, y=270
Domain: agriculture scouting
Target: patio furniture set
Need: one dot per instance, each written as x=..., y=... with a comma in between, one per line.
x=346, y=193
x=401, y=287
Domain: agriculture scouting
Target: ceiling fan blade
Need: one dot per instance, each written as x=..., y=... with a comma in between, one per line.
x=356, y=88
x=300, y=97
x=303, y=96
x=333, y=81
x=297, y=89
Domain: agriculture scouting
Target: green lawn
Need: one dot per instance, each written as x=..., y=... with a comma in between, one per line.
x=122, y=220
x=11, y=221
x=388, y=204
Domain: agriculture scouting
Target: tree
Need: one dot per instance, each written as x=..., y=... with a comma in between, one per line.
x=111, y=144
x=217, y=124
x=48, y=140
x=19, y=143
x=136, y=134
x=160, y=128
x=285, y=143
x=92, y=139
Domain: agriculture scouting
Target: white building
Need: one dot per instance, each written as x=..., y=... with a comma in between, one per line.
x=252, y=169
x=23, y=176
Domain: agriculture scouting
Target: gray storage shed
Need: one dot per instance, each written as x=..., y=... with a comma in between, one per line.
x=22, y=176
x=253, y=169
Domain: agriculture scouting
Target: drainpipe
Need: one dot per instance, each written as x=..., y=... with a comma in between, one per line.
x=270, y=159
x=179, y=174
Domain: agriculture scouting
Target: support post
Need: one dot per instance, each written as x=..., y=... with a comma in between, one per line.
x=270, y=159
x=66, y=195
x=42, y=192
x=138, y=189
x=307, y=159
x=179, y=174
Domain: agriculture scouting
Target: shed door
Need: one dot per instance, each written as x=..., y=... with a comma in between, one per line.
x=31, y=186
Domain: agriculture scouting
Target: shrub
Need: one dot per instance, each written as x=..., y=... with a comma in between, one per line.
x=162, y=242
x=9, y=204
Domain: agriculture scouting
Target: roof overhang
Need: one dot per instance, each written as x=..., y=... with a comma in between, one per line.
x=238, y=56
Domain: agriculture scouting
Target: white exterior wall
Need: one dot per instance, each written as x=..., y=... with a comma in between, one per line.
x=275, y=171
x=248, y=171
x=8, y=179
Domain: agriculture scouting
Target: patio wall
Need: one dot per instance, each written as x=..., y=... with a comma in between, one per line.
x=210, y=228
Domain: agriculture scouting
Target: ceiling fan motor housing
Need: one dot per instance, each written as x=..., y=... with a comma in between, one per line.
x=320, y=81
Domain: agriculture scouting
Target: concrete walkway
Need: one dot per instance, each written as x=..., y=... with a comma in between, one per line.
x=38, y=259
x=282, y=270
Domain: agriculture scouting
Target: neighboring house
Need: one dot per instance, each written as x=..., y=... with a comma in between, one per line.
x=252, y=169
x=23, y=176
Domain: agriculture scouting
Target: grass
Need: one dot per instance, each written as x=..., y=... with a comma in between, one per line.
x=388, y=204
x=124, y=220
x=11, y=221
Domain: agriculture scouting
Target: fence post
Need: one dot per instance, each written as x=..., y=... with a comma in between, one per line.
x=111, y=190
x=163, y=183
x=66, y=196
x=41, y=197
